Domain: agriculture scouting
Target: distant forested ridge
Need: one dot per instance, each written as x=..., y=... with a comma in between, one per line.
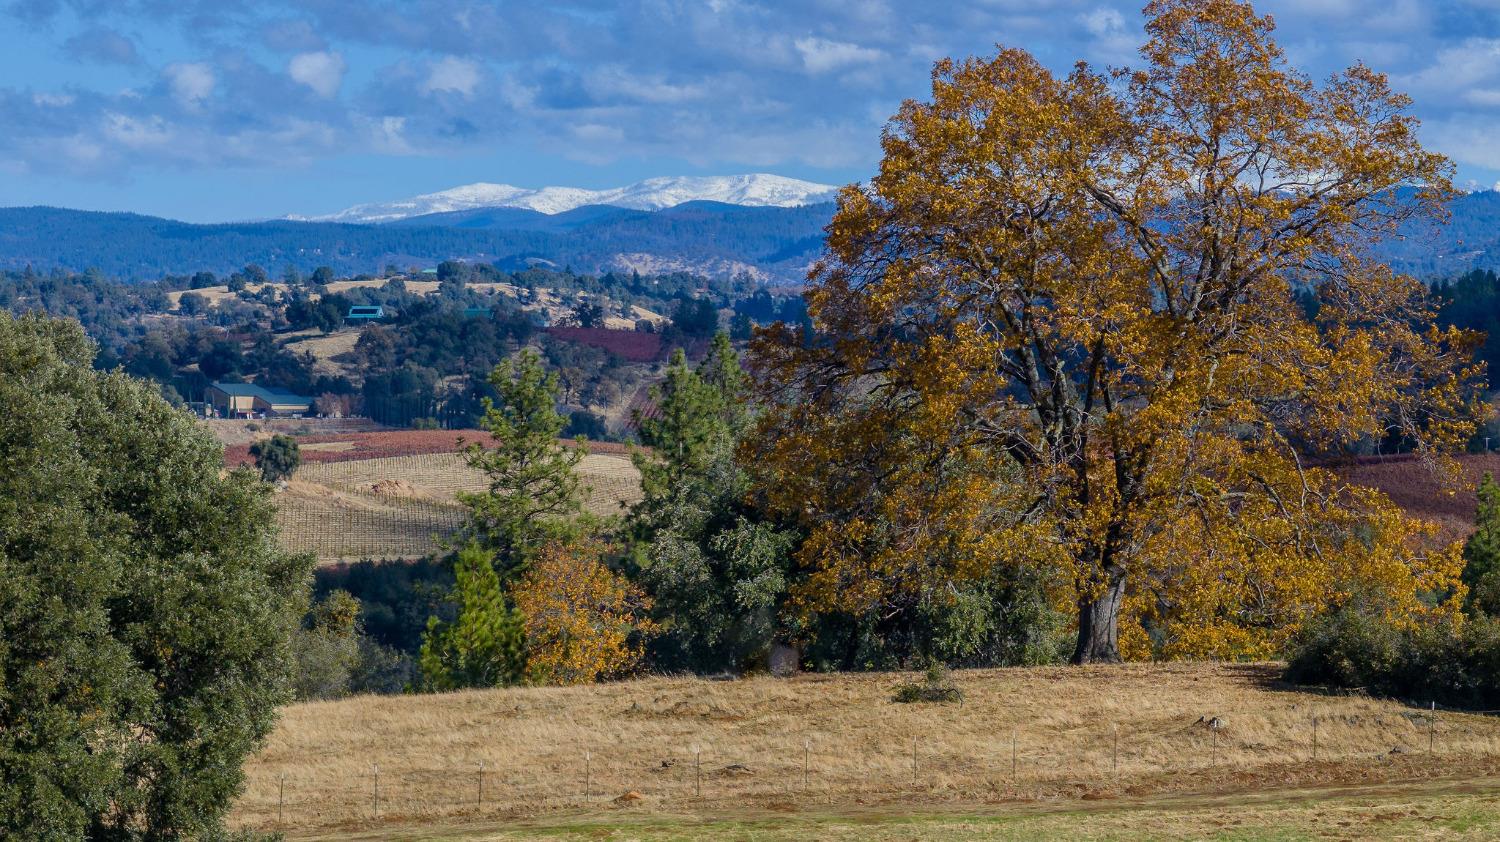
x=1469, y=240
x=704, y=237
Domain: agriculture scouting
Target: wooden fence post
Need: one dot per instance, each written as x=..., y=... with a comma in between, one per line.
x=806, y=761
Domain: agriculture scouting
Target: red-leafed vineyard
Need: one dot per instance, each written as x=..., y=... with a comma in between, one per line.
x=631, y=345
x=1414, y=486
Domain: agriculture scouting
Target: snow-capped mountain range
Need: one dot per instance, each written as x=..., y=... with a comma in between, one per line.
x=755, y=190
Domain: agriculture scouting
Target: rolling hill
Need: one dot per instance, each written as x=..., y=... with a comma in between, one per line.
x=705, y=237
x=775, y=243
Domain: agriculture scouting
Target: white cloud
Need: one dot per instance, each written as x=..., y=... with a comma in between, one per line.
x=388, y=134
x=79, y=150
x=702, y=81
x=617, y=81
x=1466, y=138
x=52, y=100
x=321, y=71
x=1455, y=69
x=456, y=75
x=596, y=133
x=136, y=133
x=820, y=54
x=191, y=82
x=1102, y=23
x=1113, y=41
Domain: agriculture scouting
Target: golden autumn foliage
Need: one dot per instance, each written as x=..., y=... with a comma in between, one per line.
x=582, y=620
x=1069, y=323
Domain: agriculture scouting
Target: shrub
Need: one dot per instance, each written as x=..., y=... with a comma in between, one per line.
x=935, y=686
x=277, y=458
x=1345, y=649
x=381, y=669
x=325, y=650
x=1448, y=663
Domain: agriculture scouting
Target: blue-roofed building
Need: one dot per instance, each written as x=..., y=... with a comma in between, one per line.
x=247, y=400
x=366, y=312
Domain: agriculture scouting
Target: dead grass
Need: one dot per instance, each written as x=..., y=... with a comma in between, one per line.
x=540, y=747
x=236, y=433
x=406, y=506
x=1413, y=811
x=326, y=348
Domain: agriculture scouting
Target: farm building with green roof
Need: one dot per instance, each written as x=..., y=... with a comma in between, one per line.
x=247, y=400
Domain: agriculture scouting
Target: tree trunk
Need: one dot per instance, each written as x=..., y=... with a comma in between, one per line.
x=1099, y=622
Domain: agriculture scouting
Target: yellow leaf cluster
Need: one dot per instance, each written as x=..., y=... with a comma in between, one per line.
x=583, y=621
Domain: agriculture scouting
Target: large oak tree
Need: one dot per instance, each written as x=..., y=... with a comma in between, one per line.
x=145, y=609
x=1068, y=323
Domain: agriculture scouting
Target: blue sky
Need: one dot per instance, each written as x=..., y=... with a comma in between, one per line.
x=212, y=110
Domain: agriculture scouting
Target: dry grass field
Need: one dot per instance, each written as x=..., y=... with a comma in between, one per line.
x=237, y=434
x=1422, y=810
x=1027, y=749
x=405, y=506
x=324, y=348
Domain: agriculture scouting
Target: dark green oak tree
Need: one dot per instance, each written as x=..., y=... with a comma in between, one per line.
x=145, y=610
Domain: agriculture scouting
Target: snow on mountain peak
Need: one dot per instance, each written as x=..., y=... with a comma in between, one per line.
x=756, y=190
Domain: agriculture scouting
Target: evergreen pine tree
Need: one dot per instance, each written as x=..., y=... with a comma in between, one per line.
x=534, y=493
x=1482, y=551
x=482, y=646
x=714, y=566
x=687, y=434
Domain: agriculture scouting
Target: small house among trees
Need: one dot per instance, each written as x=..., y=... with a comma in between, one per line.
x=366, y=313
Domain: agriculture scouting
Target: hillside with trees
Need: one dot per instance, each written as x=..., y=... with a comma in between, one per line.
x=698, y=236
x=1086, y=374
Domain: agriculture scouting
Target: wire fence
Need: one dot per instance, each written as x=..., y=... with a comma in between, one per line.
x=812, y=769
